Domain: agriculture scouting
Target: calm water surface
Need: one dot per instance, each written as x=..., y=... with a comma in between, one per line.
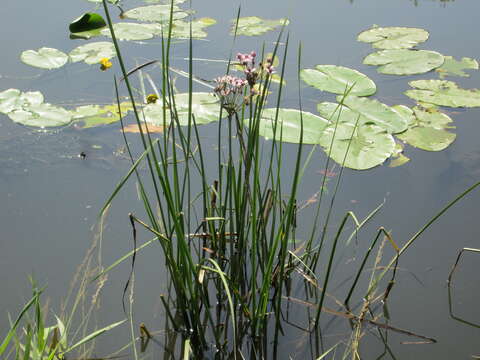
x=51, y=198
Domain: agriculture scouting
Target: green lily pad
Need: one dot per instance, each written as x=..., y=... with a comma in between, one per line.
x=254, y=26
x=337, y=79
x=86, y=35
x=289, y=123
x=428, y=131
x=132, y=31
x=393, y=37
x=443, y=93
x=93, y=52
x=404, y=61
x=205, y=108
x=44, y=58
x=88, y=21
x=41, y=115
x=14, y=99
x=398, y=158
x=95, y=115
x=155, y=13
x=452, y=67
x=371, y=111
x=368, y=145
x=181, y=29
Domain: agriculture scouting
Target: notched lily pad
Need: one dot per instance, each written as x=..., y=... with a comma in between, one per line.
x=181, y=29
x=393, y=37
x=337, y=79
x=155, y=13
x=44, y=58
x=443, y=93
x=254, y=26
x=86, y=22
x=452, y=67
x=88, y=116
x=288, y=125
x=93, y=52
x=41, y=115
x=14, y=99
x=132, y=31
x=404, y=61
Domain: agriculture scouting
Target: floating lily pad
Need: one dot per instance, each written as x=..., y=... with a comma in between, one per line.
x=181, y=29
x=368, y=145
x=404, y=61
x=132, y=31
x=254, y=26
x=86, y=22
x=443, y=93
x=393, y=37
x=452, y=67
x=370, y=111
x=337, y=79
x=95, y=115
x=41, y=115
x=44, y=58
x=398, y=158
x=14, y=99
x=155, y=13
x=428, y=130
x=93, y=52
x=288, y=125
x=85, y=35
x=205, y=108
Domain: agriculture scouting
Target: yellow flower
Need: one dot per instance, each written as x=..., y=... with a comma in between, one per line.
x=152, y=99
x=105, y=64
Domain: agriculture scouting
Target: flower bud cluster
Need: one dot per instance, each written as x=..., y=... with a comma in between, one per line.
x=230, y=91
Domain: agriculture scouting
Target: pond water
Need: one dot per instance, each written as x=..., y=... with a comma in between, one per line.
x=51, y=196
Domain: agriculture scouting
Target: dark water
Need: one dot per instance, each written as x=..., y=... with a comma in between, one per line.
x=51, y=198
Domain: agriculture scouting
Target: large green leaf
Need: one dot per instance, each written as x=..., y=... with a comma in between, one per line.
x=428, y=130
x=404, y=61
x=44, y=58
x=393, y=37
x=86, y=22
x=155, y=13
x=94, y=115
x=14, y=99
x=452, y=67
x=288, y=125
x=337, y=79
x=253, y=25
x=367, y=145
x=371, y=111
x=132, y=31
x=41, y=115
x=181, y=29
x=443, y=93
x=93, y=52
x=205, y=108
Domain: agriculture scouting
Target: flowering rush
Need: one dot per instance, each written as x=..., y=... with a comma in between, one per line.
x=230, y=90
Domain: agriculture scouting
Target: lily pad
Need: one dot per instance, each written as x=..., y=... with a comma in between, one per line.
x=443, y=93
x=393, y=37
x=181, y=29
x=452, y=67
x=44, y=58
x=254, y=26
x=337, y=79
x=41, y=115
x=14, y=99
x=155, y=13
x=368, y=145
x=205, y=108
x=86, y=22
x=95, y=115
x=404, y=61
x=93, y=52
x=428, y=131
x=370, y=111
x=132, y=31
x=288, y=125
x=86, y=35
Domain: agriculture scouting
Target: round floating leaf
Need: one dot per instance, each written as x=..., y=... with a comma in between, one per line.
x=132, y=31
x=452, y=67
x=404, y=61
x=85, y=35
x=41, y=115
x=44, y=58
x=287, y=127
x=428, y=131
x=205, y=108
x=92, y=53
x=393, y=37
x=368, y=145
x=373, y=112
x=253, y=25
x=14, y=99
x=337, y=79
x=86, y=22
x=181, y=29
x=95, y=115
x=443, y=93
x=155, y=13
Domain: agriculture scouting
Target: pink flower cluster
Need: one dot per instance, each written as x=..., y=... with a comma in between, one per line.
x=230, y=90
